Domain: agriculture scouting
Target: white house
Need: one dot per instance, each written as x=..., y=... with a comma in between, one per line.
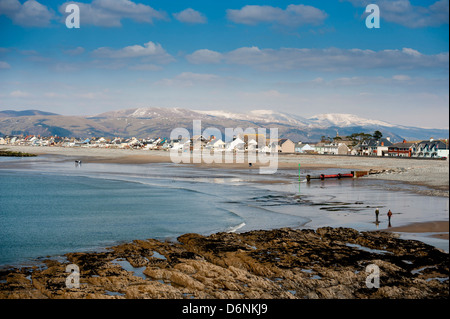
x=265, y=149
x=215, y=144
x=134, y=142
x=2, y=141
x=237, y=144
x=101, y=140
x=252, y=145
x=431, y=148
x=304, y=148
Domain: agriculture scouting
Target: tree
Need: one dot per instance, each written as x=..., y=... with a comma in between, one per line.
x=377, y=135
x=358, y=137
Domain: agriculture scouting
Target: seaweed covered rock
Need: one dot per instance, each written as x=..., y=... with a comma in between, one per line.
x=282, y=263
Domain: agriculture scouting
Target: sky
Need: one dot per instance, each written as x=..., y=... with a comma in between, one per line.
x=299, y=57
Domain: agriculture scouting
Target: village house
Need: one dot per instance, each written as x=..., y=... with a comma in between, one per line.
x=402, y=149
x=216, y=144
x=373, y=147
x=304, y=148
x=179, y=144
x=283, y=145
x=198, y=141
x=252, y=145
x=332, y=148
x=236, y=145
x=431, y=149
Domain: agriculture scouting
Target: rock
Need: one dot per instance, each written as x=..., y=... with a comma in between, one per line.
x=281, y=263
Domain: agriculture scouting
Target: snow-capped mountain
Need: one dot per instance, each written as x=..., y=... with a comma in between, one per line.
x=152, y=112
x=255, y=116
x=158, y=121
x=344, y=120
x=264, y=116
x=316, y=121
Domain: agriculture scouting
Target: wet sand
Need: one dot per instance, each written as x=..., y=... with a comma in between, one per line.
x=425, y=227
x=432, y=173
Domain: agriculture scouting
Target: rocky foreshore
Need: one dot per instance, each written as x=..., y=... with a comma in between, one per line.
x=284, y=263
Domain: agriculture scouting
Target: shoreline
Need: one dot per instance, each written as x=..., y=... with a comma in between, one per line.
x=433, y=174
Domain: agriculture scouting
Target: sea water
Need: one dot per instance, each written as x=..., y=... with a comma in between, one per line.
x=49, y=209
x=49, y=206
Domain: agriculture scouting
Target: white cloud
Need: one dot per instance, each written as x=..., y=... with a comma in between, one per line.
x=204, y=56
x=330, y=59
x=19, y=94
x=75, y=51
x=4, y=65
x=150, y=50
x=190, y=16
x=29, y=14
x=293, y=15
x=109, y=13
x=404, y=13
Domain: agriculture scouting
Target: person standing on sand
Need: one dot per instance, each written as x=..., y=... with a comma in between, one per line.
x=389, y=214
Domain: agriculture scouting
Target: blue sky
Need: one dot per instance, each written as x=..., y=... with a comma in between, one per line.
x=300, y=57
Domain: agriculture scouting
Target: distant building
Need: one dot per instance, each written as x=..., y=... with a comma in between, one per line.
x=373, y=147
x=332, y=148
x=236, y=145
x=304, y=148
x=252, y=145
x=431, y=148
x=284, y=145
x=215, y=144
x=403, y=149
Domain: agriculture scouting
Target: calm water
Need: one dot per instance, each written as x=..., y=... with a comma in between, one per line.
x=49, y=207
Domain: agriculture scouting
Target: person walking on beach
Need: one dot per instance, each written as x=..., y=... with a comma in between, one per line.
x=377, y=212
x=389, y=214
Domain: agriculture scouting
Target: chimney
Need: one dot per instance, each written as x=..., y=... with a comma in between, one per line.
x=404, y=141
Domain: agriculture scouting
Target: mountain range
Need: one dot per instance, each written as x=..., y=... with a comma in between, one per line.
x=156, y=121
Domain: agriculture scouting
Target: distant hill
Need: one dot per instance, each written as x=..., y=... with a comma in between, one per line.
x=159, y=122
x=11, y=113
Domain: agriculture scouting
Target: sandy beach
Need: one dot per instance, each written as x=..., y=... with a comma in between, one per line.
x=433, y=174
x=441, y=227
